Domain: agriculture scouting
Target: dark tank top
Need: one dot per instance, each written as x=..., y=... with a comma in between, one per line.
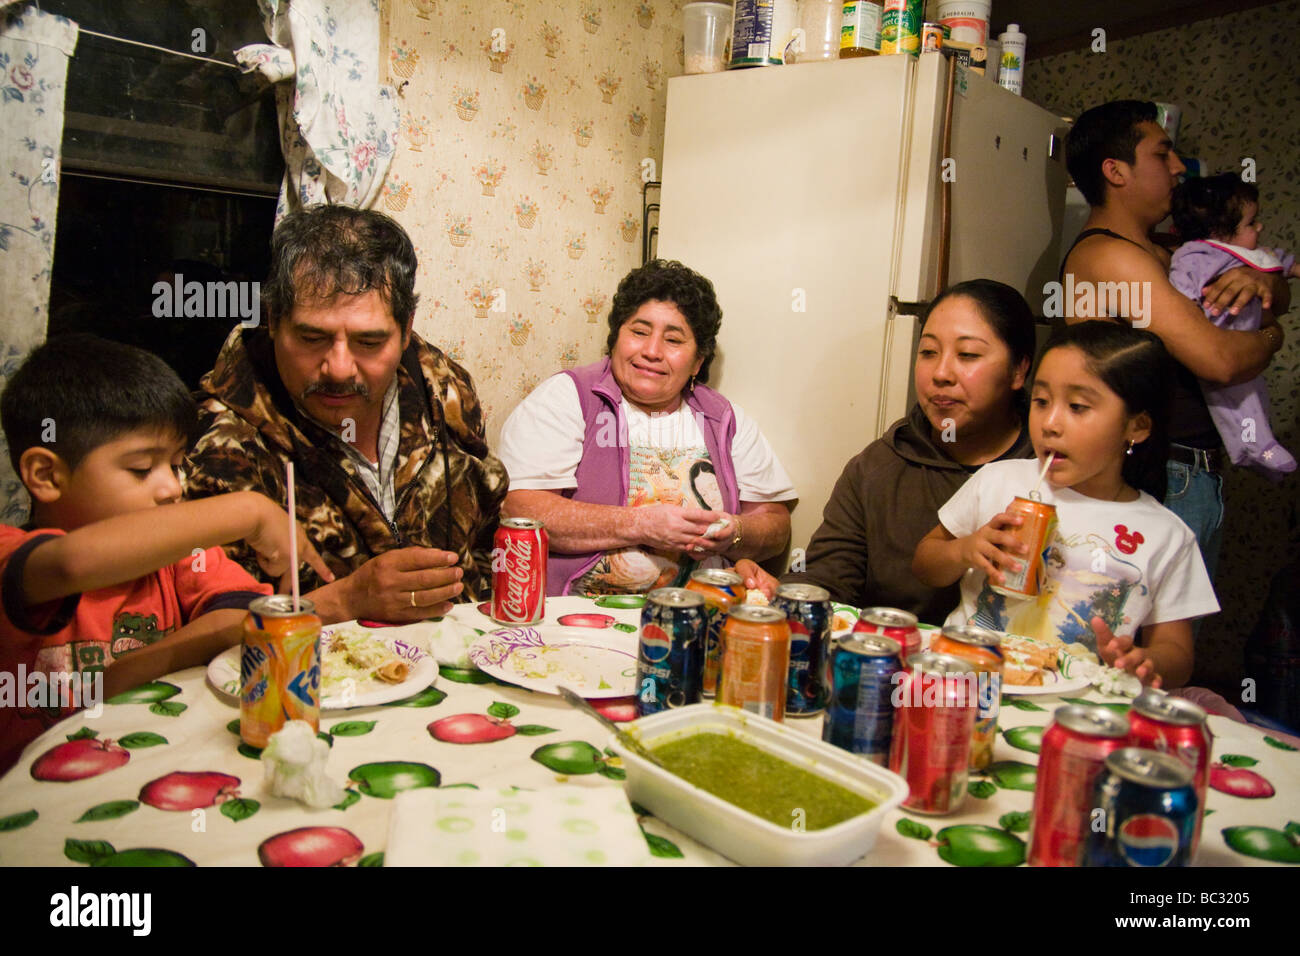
x=1189, y=420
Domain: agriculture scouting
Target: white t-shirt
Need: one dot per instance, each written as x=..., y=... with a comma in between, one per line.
x=1131, y=563
x=541, y=446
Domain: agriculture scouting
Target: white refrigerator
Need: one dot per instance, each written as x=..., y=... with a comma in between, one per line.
x=811, y=196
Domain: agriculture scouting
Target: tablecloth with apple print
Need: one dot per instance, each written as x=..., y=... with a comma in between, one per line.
x=161, y=778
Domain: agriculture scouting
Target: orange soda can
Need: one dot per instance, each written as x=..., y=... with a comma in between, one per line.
x=722, y=590
x=982, y=649
x=755, y=660
x=279, y=668
x=1036, y=532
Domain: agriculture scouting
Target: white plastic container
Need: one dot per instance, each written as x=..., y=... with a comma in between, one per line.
x=820, y=22
x=706, y=27
x=736, y=833
x=967, y=20
x=1011, y=72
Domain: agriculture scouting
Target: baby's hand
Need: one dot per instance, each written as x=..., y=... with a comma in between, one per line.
x=995, y=546
x=1121, y=652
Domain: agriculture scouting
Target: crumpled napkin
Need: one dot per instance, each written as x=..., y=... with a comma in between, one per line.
x=1108, y=680
x=449, y=641
x=294, y=762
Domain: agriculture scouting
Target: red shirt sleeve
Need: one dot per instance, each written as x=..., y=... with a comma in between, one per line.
x=211, y=581
x=51, y=617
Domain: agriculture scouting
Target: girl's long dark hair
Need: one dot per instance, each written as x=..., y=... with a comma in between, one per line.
x=1134, y=364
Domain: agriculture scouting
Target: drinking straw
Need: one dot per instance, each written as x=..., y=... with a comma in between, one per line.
x=293, y=534
x=1033, y=494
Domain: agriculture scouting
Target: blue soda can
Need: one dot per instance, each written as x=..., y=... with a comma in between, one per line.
x=860, y=716
x=808, y=609
x=670, y=661
x=1148, y=805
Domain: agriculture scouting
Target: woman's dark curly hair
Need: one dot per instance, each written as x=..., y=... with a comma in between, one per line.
x=669, y=281
x=323, y=251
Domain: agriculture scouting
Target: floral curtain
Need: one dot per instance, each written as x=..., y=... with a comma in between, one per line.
x=338, y=124
x=34, y=52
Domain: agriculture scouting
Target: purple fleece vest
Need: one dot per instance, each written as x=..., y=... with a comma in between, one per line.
x=603, y=472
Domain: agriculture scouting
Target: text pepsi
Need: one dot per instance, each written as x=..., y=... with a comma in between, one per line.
x=808, y=610
x=670, y=659
x=1147, y=810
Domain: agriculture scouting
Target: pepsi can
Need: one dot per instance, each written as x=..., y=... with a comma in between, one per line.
x=808, y=609
x=1148, y=806
x=670, y=660
x=860, y=714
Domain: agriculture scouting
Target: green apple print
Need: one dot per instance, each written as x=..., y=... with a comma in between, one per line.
x=576, y=757
x=388, y=778
x=1024, y=738
x=969, y=844
x=1265, y=843
x=1013, y=775
x=100, y=853
x=146, y=693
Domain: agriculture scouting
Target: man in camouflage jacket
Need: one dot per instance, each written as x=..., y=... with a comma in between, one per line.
x=317, y=388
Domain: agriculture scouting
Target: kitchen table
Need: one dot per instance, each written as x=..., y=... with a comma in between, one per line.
x=176, y=786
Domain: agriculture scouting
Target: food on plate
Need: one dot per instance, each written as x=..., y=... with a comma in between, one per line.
x=1019, y=670
x=755, y=596
x=758, y=782
x=1040, y=652
x=1081, y=651
x=360, y=657
x=843, y=622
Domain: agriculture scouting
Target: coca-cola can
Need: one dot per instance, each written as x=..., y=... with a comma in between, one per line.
x=519, y=571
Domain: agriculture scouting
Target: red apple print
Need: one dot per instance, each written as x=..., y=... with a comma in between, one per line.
x=618, y=709
x=586, y=620
x=311, y=846
x=470, y=729
x=185, y=790
x=1239, y=782
x=1127, y=541
x=79, y=759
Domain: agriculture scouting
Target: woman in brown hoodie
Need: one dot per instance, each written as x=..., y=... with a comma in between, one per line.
x=976, y=347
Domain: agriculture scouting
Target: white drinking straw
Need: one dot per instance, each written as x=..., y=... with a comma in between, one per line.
x=1033, y=494
x=293, y=534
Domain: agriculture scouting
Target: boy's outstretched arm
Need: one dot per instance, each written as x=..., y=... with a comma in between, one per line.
x=196, y=643
x=130, y=546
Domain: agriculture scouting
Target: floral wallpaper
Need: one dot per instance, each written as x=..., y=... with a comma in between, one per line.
x=1236, y=81
x=525, y=131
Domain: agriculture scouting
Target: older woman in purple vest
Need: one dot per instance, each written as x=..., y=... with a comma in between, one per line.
x=640, y=472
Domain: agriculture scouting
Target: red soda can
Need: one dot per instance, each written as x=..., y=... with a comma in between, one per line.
x=1071, y=758
x=935, y=704
x=1175, y=726
x=755, y=660
x=722, y=590
x=519, y=571
x=894, y=624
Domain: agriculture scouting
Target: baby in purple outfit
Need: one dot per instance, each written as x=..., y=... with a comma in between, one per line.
x=1217, y=218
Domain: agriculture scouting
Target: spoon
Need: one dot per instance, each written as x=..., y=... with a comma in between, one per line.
x=640, y=749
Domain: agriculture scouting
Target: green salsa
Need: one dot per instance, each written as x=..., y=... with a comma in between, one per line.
x=756, y=781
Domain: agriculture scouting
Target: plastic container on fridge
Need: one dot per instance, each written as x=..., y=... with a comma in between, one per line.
x=706, y=28
x=736, y=833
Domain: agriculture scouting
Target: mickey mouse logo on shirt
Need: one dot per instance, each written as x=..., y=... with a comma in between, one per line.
x=1127, y=541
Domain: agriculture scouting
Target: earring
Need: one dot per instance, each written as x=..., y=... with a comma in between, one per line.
x=691, y=386
x=1130, y=447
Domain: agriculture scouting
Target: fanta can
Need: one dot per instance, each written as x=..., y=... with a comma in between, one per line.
x=279, y=668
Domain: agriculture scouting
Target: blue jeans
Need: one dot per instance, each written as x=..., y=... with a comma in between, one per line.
x=1196, y=496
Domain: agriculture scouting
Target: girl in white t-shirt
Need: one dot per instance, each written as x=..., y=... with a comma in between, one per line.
x=1122, y=573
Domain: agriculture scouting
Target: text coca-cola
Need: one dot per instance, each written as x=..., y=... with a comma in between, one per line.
x=519, y=571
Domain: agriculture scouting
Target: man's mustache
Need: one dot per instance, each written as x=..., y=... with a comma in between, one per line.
x=337, y=391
